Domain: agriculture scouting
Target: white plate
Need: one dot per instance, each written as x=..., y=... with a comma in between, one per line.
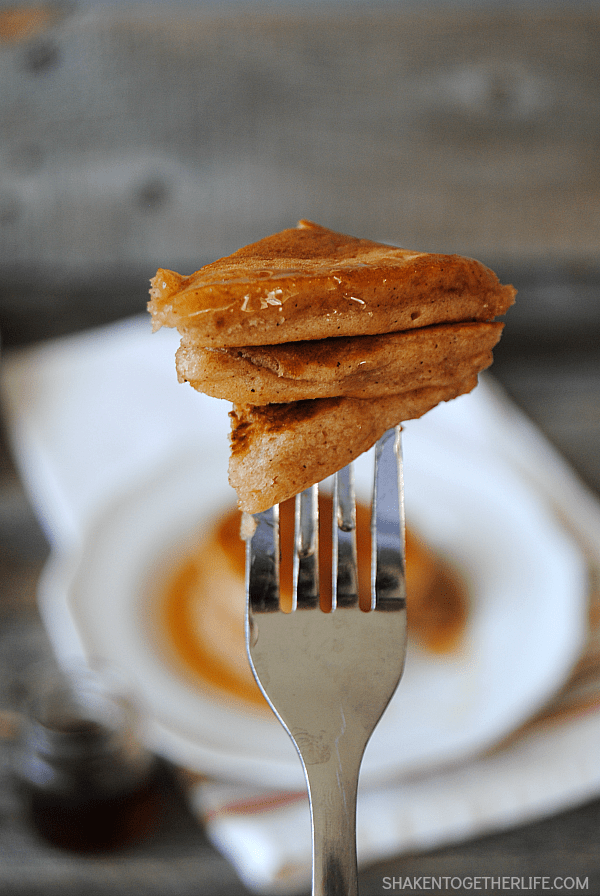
x=528, y=585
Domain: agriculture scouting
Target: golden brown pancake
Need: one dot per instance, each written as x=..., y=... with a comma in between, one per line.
x=278, y=450
x=351, y=366
x=309, y=282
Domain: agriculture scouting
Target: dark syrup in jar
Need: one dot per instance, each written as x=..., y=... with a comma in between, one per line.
x=88, y=784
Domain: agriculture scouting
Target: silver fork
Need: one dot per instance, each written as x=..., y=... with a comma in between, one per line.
x=329, y=676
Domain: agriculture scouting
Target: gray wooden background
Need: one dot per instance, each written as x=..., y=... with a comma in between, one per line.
x=134, y=136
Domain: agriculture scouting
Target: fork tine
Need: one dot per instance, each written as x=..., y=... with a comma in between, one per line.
x=306, y=550
x=388, y=582
x=344, y=569
x=262, y=562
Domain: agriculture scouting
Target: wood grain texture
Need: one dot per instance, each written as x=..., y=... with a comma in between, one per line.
x=175, y=139
x=131, y=141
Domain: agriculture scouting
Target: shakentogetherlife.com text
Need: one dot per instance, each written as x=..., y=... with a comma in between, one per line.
x=485, y=884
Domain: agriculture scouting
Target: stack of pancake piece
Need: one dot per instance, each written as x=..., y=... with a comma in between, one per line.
x=322, y=342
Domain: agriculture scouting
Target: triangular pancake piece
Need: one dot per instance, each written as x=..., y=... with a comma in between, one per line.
x=280, y=449
x=309, y=282
x=351, y=366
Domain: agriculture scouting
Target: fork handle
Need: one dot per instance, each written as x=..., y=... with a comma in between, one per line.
x=332, y=789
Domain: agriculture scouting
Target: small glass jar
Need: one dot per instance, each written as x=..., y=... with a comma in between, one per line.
x=88, y=782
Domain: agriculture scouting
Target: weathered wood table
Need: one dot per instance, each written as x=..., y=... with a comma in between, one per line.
x=131, y=139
